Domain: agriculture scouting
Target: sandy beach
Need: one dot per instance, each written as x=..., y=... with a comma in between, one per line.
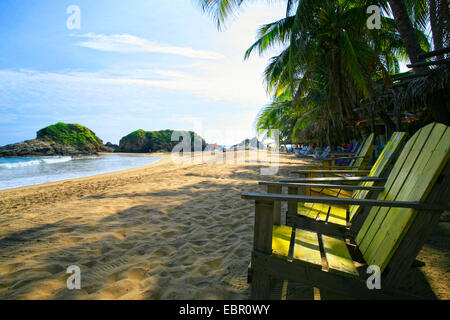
x=164, y=231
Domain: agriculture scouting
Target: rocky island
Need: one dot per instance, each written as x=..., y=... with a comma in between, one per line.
x=60, y=139
x=141, y=141
x=63, y=139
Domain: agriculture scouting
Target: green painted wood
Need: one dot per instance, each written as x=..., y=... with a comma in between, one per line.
x=331, y=192
x=360, y=159
x=338, y=258
x=281, y=239
x=337, y=215
x=365, y=152
x=322, y=171
x=414, y=179
x=308, y=211
x=400, y=170
x=432, y=206
x=392, y=148
x=307, y=249
x=416, y=188
x=323, y=212
x=331, y=179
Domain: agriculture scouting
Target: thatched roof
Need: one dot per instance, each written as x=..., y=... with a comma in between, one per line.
x=311, y=134
x=413, y=94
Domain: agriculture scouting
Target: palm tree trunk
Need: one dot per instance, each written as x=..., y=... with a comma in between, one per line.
x=406, y=30
x=413, y=49
x=444, y=21
x=435, y=25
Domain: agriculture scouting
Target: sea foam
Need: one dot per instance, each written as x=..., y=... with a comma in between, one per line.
x=32, y=162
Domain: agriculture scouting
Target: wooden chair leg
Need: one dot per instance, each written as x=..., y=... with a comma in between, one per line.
x=277, y=204
x=261, y=285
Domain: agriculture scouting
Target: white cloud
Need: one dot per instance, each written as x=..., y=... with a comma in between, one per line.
x=218, y=90
x=224, y=82
x=126, y=43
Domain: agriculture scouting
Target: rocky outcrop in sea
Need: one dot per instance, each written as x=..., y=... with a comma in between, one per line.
x=57, y=140
x=141, y=141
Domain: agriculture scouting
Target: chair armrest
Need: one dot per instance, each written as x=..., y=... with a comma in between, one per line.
x=343, y=158
x=332, y=179
x=341, y=153
x=333, y=171
x=335, y=167
x=318, y=185
x=345, y=201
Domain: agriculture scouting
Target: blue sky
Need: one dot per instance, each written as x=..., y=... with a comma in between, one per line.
x=132, y=65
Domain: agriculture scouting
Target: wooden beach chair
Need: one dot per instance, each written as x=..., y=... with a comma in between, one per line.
x=336, y=171
x=399, y=220
x=351, y=151
x=358, y=161
x=337, y=220
x=303, y=153
x=328, y=154
x=322, y=154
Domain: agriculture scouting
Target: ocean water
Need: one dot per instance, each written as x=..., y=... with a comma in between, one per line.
x=20, y=172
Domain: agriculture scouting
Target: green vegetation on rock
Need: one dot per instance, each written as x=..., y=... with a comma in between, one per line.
x=73, y=135
x=58, y=139
x=138, y=134
x=141, y=141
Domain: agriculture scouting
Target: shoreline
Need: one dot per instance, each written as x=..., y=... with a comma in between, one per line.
x=163, y=156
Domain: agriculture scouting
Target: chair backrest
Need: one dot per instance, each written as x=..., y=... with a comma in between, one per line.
x=307, y=150
x=411, y=179
x=365, y=152
x=384, y=161
x=355, y=148
x=323, y=154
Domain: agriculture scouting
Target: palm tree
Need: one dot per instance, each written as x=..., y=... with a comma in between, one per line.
x=406, y=30
x=336, y=55
x=328, y=49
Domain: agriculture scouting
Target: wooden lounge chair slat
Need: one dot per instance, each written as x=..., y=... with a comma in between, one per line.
x=331, y=192
x=365, y=152
x=350, y=158
x=360, y=159
x=392, y=177
x=281, y=239
x=338, y=258
x=306, y=248
x=416, y=187
x=415, y=195
x=346, y=201
x=342, y=153
x=332, y=171
x=320, y=210
x=323, y=212
x=392, y=223
x=320, y=186
x=337, y=216
x=393, y=185
x=336, y=167
x=307, y=210
x=332, y=179
x=379, y=168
